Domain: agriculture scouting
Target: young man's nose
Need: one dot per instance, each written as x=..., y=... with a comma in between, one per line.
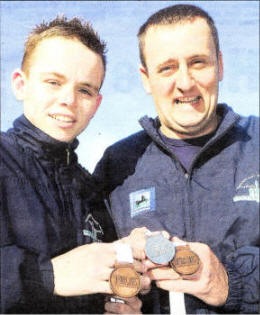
x=68, y=97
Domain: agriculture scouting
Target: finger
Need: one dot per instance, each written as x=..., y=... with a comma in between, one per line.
x=119, y=308
x=138, y=253
x=165, y=234
x=150, y=265
x=186, y=286
x=178, y=240
x=137, y=240
x=100, y=287
x=200, y=249
x=145, y=284
x=105, y=274
x=139, y=266
x=133, y=302
x=163, y=273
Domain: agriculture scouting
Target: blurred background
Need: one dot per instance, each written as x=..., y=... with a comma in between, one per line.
x=124, y=100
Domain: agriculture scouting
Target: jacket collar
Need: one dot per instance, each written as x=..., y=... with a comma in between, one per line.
x=43, y=146
x=228, y=119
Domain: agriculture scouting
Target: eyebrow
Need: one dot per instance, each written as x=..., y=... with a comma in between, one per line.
x=62, y=77
x=171, y=60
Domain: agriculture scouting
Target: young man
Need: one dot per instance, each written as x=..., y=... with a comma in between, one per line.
x=44, y=192
x=193, y=171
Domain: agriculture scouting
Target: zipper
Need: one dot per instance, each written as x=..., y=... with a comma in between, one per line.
x=68, y=156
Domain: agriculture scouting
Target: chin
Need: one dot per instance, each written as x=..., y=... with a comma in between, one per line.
x=62, y=138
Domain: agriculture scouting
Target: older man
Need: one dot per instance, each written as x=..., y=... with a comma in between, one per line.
x=193, y=171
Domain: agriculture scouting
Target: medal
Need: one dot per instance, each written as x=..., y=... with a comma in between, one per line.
x=125, y=281
x=185, y=261
x=159, y=249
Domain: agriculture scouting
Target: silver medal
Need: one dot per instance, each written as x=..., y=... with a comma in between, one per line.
x=159, y=249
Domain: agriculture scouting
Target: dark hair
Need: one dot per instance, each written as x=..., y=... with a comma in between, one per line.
x=172, y=15
x=61, y=26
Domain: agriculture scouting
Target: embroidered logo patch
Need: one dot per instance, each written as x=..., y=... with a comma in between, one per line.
x=248, y=189
x=142, y=201
x=93, y=229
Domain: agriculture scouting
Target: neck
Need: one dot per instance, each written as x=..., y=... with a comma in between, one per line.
x=176, y=134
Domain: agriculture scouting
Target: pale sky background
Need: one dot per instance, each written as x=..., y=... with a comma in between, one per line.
x=124, y=100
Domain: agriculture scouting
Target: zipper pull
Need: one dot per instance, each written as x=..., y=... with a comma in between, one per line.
x=68, y=156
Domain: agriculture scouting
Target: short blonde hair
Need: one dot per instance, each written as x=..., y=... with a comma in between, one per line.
x=61, y=26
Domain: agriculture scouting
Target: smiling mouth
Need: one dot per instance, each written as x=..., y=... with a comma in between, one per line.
x=62, y=118
x=188, y=100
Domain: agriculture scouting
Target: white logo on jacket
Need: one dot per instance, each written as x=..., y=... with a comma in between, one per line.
x=93, y=229
x=248, y=189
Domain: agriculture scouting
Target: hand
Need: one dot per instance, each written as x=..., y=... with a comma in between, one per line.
x=137, y=240
x=209, y=283
x=84, y=270
x=130, y=306
x=145, y=279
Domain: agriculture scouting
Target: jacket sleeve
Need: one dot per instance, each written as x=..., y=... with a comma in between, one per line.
x=25, y=274
x=243, y=271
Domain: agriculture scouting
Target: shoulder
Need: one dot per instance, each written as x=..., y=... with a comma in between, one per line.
x=120, y=159
x=8, y=146
x=12, y=156
x=250, y=126
x=129, y=146
x=251, y=122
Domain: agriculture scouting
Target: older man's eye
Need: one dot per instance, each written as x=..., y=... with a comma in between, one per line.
x=198, y=63
x=85, y=92
x=166, y=69
x=53, y=82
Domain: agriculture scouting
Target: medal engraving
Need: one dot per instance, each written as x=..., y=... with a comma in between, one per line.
x=185, y=261
x=159, y=250
x=125, y=281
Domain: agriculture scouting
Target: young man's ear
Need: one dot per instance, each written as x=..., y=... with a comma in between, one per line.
x=220, y=66
x=98, y=102
x=18, y=84
x=145, y=79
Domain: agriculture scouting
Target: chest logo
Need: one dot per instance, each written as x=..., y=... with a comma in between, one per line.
x=142, y=201
x=93, y=229
x=248, y=189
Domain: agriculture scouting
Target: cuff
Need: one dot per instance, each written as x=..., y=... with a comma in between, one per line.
x=233, y=303
x=47, y=276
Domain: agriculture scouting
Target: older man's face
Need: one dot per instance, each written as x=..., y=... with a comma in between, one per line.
x=182, y=75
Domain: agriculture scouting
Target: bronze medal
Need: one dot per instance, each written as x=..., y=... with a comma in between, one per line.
x=185, y=261
x=125, y=281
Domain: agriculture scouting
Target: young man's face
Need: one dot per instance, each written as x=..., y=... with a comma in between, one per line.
x=60, y=92
x=182, y=75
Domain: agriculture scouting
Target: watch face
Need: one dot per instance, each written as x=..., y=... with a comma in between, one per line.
x=125, y=281
x=159, y=249
x=185, y=261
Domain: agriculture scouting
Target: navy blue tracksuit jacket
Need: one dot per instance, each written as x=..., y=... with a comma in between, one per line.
x=44, y=212
x=216, y=202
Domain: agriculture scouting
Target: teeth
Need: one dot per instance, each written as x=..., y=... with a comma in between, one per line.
x=62, y=118
x=188, y=100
